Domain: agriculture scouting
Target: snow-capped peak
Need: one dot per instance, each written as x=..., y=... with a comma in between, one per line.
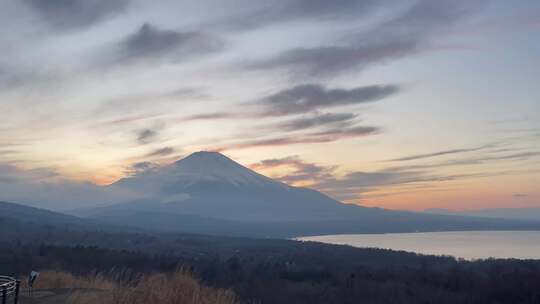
x=196, y=168
x=216, y=166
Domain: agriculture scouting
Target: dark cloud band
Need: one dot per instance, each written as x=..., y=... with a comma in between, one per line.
x=312, y=97
x=151, y=44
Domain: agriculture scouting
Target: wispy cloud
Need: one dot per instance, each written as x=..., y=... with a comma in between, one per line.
x=440, y=153
x=490, y=158
x=223, y=115
x=305, y=98
x=283, y=11
x=74, y=14
x=410, y=32
x=140, y=167
x=8, y=152
x=342, y=120
x=150, y=44
x=126, y=120
x=355, y=185
x=520, y=195
x=302, y=171
x=165, y=151
x=324, y=136
x=17, y=76
x=146, y=136
x=45, y=188
x=312, y=97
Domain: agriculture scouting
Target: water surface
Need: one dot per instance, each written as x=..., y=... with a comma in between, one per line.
x=463, y=244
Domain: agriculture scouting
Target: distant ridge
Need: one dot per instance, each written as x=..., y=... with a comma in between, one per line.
x=532, y=214
x=32, y=214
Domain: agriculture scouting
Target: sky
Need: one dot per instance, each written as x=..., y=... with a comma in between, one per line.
x=408, y=104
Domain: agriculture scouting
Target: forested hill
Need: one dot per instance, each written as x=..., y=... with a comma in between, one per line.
x=303, y=272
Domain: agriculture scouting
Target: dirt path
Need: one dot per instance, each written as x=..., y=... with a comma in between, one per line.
x=57, y=296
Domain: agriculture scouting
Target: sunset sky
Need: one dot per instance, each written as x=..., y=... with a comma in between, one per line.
x=397, y=104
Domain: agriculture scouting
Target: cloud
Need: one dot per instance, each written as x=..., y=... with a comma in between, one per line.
x=325, y=136
x=74, y=14
x=338, y=133
x=140, y=167
x=353, y=185
x=490, y=157
x=8, y=153
x=126, y=120
x=409, y=33
x=330, y=60
x=14, y=76
x=10, y=78
x=439, y=153
x=45, y=188
x=13, y=174
x=276, y=162
x=143, y=166
x=147, y=105
x=304, y=172
x=484, y=159
x=281, y=11
x=419, y=174
x=494, y=155
x=364, y=180
x=514, y=156
x=146, y=136
x=303, y=99
x=312, y=97
x=151, y=44
x=337, y=120
x=161, y=152
x=223, y=115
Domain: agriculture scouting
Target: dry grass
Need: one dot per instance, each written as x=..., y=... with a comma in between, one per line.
x=175, y=289
x=178, y=288
x=51, y=279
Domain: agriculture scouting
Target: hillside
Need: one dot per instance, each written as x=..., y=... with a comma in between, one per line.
x=32, y=214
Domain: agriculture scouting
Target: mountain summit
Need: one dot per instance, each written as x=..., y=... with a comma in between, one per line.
x=211, y=184
x=198, y=170
x=216, y=166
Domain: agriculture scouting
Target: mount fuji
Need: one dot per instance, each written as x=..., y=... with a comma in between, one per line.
x=212, y=185
x=206, y=192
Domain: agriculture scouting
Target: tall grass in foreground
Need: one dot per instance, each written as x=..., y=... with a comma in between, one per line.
x=178, y=288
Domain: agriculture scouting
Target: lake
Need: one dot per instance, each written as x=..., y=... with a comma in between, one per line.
x=463, y=244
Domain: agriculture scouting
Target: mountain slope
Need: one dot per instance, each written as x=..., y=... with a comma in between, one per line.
x=32, y=214
x=29, y=224
x=209, y=193
x=384, y=222
x=22, y=218
x=200, y=167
